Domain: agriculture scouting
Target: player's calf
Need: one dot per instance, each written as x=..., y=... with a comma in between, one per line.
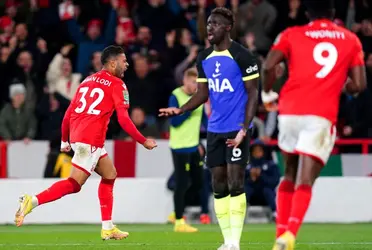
x=285, y=192
x=238, y=203
x=310, y=170
x=106, y=200
x=55, y=192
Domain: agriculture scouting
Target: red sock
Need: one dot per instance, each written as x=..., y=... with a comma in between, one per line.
x=58, y=190
x=284, y=204
x=106, y=198
x=300, y=204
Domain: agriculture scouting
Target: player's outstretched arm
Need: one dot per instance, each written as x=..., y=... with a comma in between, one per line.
x=195, y=101
x=251, y=87
x=119, y=93
x=128, y=126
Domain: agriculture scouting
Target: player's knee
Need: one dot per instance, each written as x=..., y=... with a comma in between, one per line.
x=220, y=189
x=305, y=181
x=290, y=174
x=76, y=186
x=236, y=187
x=112, y=175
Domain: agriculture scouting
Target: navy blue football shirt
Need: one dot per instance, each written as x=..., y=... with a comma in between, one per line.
x=225, y=73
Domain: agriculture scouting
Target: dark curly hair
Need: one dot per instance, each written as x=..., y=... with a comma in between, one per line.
x=110, y=52
x=226, y=13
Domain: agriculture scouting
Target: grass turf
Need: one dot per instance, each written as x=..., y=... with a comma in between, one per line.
x=75, y=237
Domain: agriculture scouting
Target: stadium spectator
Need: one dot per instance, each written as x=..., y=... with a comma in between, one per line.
x=125, y=25
x=143, y=86
x=61, y=81
x=258, y=17
x=188, y=62
x=365, y=35
x=139, y=119
x=16, y=120
x=369, y=70
x=169, y=36
x=193, y=196
x=156, y=15
x=30, y=74
x=50, y=114
x=355, y=116
x=95, y=63
x=6, y=26
x=262, y=177
x=94, y=39
x=184, y=142
x=143, y=44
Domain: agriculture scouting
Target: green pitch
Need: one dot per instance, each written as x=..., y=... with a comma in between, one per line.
x=85, y=237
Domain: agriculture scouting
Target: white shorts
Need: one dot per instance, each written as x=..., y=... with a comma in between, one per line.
x=307, y=134
x=86, y=156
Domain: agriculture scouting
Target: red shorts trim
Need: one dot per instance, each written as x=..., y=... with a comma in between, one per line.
x=103, y=156
x=287, y=152
x=82, y=169
x=312, y=156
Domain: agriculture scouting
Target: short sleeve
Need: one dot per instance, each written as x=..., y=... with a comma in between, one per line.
x=281, y=43
x=248, y=65
x=358, y=56
x=120, y=95
x=199, y=66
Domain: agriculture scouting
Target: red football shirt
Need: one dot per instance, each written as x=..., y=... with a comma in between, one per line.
x=89, y=113
x=319, y=57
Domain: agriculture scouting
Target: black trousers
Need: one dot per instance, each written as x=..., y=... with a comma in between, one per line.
x=187, y=169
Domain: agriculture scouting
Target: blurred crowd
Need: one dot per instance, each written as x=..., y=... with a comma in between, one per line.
x=48, y=46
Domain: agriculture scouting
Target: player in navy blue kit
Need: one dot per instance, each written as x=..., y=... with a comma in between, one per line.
x=228, y=75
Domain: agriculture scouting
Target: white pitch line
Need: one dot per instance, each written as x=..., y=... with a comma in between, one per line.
x=176, y=244
x=89, y=230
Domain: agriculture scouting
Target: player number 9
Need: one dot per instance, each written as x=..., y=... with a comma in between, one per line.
x=325, y=54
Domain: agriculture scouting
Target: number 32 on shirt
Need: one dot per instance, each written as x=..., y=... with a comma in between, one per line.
x=97, y=94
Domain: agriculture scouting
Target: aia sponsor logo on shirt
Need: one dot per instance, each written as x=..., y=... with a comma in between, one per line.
x=216, y=85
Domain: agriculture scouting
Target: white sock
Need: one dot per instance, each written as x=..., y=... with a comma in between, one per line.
x=107, y=225
x=234, y=243
x=34, y=201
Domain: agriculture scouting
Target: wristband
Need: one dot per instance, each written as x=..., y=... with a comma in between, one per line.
x=64, y=144
x=269, y=97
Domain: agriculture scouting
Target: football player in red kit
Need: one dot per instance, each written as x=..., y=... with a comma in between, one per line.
x=320, y=56
x=84, y=129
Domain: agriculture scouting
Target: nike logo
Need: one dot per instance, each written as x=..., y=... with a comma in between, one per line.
x=216, y=75
x=235, y=159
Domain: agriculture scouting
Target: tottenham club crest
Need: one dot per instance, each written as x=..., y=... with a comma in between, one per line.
x=217, y=70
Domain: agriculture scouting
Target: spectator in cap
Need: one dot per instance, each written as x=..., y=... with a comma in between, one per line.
x=93, y=41
x=6, y=27
x=16, y=120
x=125, y=33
